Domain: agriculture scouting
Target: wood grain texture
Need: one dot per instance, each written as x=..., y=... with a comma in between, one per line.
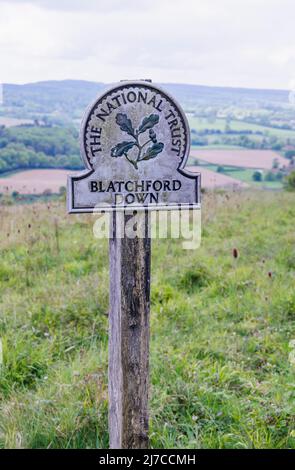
x=130, y=261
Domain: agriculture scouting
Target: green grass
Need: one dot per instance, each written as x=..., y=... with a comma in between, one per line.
x=246, y=175
x=220, y=124
x=242, y=174
x=221, y=374
x=217, y=147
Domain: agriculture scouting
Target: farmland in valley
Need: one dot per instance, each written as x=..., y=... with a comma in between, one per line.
x=233, y=131
x=241, y=165
x=12, y=122
x=261, y=159
x=40, y=181
x=239, y=125
x=211, y=179
x=34, y=181
x=239, y=176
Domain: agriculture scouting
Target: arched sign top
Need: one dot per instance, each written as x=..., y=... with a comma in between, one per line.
x=137, y=110
x=135, y=142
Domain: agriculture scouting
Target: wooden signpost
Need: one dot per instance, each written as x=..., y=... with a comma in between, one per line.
x=135, y=141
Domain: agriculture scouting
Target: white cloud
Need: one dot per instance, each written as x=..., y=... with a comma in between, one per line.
x=215, y=42
x=71, y=5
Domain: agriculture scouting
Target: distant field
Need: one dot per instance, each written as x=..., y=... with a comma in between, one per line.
x=38, y=181
x=245, y=175
x=217, y=147
x=210, y=179
x=220, y=124
x=11, y=122
x=241, y=158
x=34, y=181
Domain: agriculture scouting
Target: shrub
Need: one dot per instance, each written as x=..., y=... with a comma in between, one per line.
x=62, y=190
x=220, y=169
x=195, y=277
x=290, y=154
x=270, y=176
x=290, y=181
x=257, y=176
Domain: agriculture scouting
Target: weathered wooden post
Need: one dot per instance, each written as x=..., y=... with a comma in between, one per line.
x=130, y=261
x=135, y=141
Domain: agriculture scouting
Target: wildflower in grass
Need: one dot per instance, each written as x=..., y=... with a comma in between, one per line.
x=270, y=274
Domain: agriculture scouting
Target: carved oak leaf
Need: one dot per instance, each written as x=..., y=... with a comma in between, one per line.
x=148, y=122
x=121, y=149
x=153, y=151
x=125, y=124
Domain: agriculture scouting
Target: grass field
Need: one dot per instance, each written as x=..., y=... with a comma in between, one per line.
x=243, y=174
x=220, y=124
x=246, y=175
x=222, y=329
x=211, y=179
x=216, y=147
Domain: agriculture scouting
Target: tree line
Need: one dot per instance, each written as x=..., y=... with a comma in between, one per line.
x=26, y=147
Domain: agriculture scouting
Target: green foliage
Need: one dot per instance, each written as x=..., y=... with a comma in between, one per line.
x=38, y=147
x=290, y=154
x=195, y=277
x=221, y=329
x=254, y=118
x=257, y=176
x=269, y=176
x=290, y=181
x=52, y=101
x=220, y=169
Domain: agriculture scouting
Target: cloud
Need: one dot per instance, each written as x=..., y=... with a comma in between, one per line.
x=217, y=42
x=83, y=5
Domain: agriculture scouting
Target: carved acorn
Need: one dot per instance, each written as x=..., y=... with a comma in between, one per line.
x=153, y=136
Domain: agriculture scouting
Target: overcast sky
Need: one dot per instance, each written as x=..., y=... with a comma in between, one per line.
x=247, y=43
